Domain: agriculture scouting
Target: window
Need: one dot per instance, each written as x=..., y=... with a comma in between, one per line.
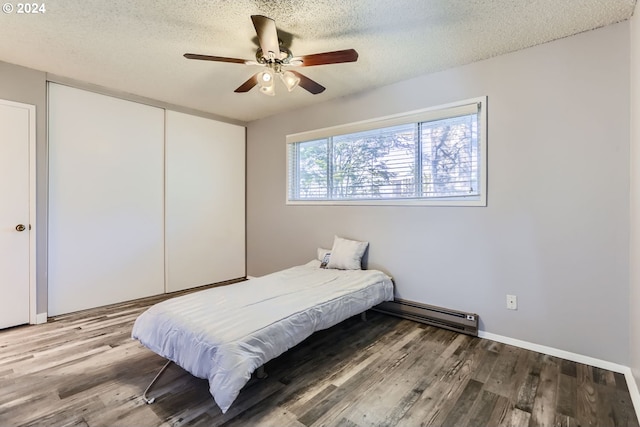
x=430, y=157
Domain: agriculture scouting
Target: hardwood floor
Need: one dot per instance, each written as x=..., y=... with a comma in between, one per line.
x=83, y=369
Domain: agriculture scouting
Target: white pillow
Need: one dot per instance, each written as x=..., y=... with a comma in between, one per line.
x=347, y=254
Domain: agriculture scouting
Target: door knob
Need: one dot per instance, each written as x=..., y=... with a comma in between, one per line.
x=20, y=227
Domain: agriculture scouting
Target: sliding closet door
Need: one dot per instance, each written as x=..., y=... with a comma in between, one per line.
x=106, y=231
x=205, y=201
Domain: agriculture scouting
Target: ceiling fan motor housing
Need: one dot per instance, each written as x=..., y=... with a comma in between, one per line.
x=285, y=56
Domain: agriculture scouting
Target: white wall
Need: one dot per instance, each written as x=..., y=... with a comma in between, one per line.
x=634, y=297
x=555, y=231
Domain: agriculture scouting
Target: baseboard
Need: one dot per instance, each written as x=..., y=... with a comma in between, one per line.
x=574, y=357
x=251, y=277
x=41, y=318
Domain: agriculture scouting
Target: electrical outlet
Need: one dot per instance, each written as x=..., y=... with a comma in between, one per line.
x=512, y=302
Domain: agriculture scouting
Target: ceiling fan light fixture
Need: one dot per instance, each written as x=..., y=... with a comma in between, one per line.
x=268, y=90
x=290, y=80
x=266, y=83
x=265, y=78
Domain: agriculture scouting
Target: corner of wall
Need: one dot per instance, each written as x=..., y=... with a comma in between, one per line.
x=632, y=384
x=634, y=285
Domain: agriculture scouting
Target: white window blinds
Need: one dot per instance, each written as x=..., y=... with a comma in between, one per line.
x=431, y=155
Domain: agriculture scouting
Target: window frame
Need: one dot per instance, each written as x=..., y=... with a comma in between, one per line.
x=427, y=114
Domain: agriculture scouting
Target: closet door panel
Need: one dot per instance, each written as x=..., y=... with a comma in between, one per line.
x=106, y=201
x=205, y=201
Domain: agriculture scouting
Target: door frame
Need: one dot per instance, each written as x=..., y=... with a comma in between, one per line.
x=32, y=205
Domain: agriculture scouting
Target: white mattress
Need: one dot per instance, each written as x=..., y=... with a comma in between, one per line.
x=223, y=334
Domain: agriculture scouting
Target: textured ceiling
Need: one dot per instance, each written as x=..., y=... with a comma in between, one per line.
x=137, y=46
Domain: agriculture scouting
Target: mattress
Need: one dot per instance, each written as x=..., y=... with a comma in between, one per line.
x=224, y=334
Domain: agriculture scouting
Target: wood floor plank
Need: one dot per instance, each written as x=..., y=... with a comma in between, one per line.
x=487, y=365
x=528, y=389
x=543, y=412
x=501, y=411
x=508, y=371
x=621, y=381
x=464, y=403
x=518, y=418
x=586, y=410
x=566, y=421
x=567, y=396
x=568, y=367
x=482, y=410
x=408, y=400
x=320, y=404
x=83, y=369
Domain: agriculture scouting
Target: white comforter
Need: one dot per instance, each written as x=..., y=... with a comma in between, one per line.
x=224, y=334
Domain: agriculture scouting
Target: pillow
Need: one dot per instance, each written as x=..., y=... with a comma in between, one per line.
x=347, y=254
x=324, y=255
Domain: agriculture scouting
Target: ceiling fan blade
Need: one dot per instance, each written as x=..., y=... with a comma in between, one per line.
x=336, y=57
x=214, y=58
x=267, y=35
x=308, y=84
x=248, y=85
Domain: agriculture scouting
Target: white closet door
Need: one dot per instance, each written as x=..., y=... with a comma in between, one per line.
x=205, y=201
x=106, y=176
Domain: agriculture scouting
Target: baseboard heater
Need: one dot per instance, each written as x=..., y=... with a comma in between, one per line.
x=459, y=321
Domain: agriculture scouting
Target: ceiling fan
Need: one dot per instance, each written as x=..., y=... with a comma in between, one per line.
x=276, y=58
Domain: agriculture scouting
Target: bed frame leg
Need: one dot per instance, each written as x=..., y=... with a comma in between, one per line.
x=260, y=373
x=144, y=395
x=363, y=316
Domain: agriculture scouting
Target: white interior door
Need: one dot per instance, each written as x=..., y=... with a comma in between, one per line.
x=17, y=135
